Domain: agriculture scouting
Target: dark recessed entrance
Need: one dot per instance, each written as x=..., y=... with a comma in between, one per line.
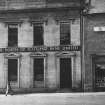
x=38, y=72
x=13, y=70
x=65, y=73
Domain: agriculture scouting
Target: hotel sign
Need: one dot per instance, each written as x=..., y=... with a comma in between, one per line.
x=39, y=49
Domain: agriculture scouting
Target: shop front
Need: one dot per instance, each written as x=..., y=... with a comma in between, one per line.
x=99, y=72
x=49, y=70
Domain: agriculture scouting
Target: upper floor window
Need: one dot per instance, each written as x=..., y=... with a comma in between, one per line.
x=38, y=34
x=65, y=37
x=12, y=35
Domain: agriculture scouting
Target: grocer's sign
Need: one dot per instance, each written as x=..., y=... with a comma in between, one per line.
x=39, y=49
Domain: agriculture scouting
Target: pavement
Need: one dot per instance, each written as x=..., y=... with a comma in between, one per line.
x=97, y=98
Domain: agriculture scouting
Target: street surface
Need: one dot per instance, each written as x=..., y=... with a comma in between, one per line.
x=54, y=99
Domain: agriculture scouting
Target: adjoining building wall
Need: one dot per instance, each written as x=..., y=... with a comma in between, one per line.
x=94, y=49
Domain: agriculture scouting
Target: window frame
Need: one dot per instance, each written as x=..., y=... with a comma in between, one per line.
x=68, y=23
x=10, y=28
x=42, y=27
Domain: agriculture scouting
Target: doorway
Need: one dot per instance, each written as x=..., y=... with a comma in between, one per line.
x=13, y=72
x=38, y=72
x=65, y=73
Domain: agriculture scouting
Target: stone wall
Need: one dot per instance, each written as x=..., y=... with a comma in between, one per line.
x=51, y=38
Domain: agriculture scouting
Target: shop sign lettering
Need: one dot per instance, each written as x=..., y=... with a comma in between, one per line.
x=39, y=49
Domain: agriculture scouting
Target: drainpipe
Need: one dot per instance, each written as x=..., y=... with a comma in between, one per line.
x=84, y=10
x=82, y=46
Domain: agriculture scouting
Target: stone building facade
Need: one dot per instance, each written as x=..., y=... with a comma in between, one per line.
x=94, y=47
x=40, y=44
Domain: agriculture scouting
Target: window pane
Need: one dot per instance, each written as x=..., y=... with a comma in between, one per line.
x=38, y=69
x=38, y=34
x=64, y=33
x=12, y=35
x=12, y=69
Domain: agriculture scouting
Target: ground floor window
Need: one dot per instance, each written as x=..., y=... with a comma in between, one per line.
x=12, y=69
x=65, y=73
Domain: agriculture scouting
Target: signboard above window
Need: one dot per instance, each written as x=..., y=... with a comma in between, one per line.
x=99, y=28
x=13, y=25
